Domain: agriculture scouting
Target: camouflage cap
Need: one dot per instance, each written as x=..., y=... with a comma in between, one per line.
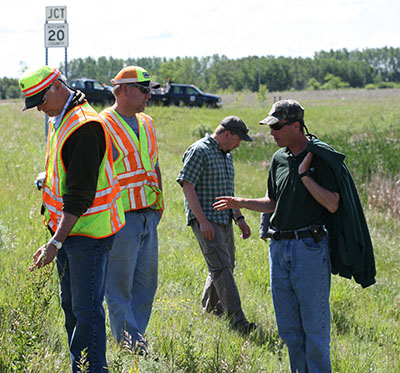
x=289, y=110
x=236, y=125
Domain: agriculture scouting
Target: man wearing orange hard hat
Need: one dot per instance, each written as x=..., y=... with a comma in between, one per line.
x=82, y=209
x=133, y=268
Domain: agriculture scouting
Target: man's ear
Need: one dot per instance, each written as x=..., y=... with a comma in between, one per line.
x=124, y=88
x=57, y=85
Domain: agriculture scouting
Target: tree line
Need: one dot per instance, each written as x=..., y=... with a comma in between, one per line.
x=334, y=69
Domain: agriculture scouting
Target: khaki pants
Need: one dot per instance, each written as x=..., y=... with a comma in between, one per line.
x=220, y=291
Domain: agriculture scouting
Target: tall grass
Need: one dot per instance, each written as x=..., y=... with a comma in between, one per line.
x=365, y=322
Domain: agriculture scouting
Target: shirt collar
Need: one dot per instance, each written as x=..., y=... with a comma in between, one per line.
x=57, y=119
x=214, y=142
x=211, y=139
x=290, y=154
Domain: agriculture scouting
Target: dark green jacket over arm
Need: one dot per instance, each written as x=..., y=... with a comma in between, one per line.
x=349, y=239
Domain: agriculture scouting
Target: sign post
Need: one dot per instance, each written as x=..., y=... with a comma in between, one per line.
x=56, y=36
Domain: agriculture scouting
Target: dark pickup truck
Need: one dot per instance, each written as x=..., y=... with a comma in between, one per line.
x=190, y=95
x=95, y=92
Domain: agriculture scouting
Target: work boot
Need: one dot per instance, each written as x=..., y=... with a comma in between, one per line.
x=245, y=328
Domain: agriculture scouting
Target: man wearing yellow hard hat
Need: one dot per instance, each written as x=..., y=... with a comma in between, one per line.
x=132, y=272
x=81, y=207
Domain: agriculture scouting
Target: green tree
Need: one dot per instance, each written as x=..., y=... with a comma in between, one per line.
x=334, y=82
x=262, y=93
x=332, y=69
x=313, y=85
x=9, y=88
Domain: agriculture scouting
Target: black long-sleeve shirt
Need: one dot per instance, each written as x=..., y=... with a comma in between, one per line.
x=82, y=154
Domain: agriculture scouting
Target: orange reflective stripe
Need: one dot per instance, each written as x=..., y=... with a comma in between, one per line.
x=42, y=85
x=153, y=152
x=123, y=137
x=102, y=197
x=107, y=205
x=134, y=182
x=134, y=173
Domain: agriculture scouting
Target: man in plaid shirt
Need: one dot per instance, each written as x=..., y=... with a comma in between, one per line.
x=207, y=173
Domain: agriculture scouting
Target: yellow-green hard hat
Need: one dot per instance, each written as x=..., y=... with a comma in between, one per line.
x=34, y=83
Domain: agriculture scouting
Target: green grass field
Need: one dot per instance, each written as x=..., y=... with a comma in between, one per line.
x=365, y=322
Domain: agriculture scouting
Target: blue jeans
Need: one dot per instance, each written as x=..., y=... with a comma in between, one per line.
x=132, y=276
x=300, y=282
x=82, y=266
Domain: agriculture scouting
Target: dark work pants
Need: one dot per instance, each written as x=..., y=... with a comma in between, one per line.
x=220, y=291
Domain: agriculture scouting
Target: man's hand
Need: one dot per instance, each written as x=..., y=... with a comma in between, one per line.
x=330, y=200
x=244, y=228
x=305, y=164
x=43, y=256
x=226, y=202
x=208, y=230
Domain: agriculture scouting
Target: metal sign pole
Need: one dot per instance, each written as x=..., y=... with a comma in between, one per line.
x=46, y=118
x=66, y=64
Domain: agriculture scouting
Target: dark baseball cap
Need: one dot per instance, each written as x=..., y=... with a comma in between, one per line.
x=286, y=109
x=236, y=125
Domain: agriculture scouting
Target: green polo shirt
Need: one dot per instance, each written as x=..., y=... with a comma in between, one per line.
x=295, y=207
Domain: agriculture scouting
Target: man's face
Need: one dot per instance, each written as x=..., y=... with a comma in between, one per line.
x=138, y=96
x=282, y=132
x=52, y=104
x=232, y=141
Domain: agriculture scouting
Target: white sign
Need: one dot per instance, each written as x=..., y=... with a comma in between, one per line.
x=56, y=13
x=56, y=35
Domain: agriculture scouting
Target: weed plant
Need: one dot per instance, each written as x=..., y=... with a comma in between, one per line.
x=365, y=322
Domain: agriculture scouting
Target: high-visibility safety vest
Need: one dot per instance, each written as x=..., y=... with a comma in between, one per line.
x=135, y=165
x=106, y=215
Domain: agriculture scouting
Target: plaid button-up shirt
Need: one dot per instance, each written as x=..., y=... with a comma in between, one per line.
x=211, y=172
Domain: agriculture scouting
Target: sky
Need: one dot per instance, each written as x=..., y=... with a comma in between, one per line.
x=171, y=28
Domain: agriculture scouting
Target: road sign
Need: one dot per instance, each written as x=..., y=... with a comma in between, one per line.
x=56, y=35
x=56, y=13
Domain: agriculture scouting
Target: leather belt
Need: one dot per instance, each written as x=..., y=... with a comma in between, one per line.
x=315, y=231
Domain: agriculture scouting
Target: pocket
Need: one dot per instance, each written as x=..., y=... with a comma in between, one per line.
x=158, y=217
x=213, y=260
x=311, y=244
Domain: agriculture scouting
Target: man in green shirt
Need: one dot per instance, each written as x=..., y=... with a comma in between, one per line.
x=302, y=193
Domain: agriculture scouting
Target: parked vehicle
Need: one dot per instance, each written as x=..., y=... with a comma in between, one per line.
x=95, y=92
x=186, y=94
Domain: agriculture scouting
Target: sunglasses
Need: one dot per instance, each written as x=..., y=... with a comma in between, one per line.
x=278, y=126
x=43, y=100
x=144, y=90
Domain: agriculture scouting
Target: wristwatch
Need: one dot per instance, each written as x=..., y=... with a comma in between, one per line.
x=238, y=218
x=56, y=243
x=307, y=173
